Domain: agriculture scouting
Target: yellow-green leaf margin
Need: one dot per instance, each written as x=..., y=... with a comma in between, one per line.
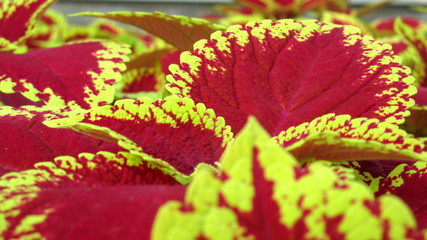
x=237, y=204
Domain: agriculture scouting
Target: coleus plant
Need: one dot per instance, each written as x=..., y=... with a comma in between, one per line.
x=272, y=129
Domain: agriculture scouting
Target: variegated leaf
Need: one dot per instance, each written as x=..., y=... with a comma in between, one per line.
x=289, y=72
x=79, y=75
x=172, y=133
x=26, y=140
x=262, y=193
x=49, y=30
x=342, y=138
x=102, y=196
x=409, y=182
x=144, y=73
x=385, y=27
x=17, y=18
x=417, y=41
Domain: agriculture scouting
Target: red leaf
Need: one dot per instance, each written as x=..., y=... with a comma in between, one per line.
x=409, y=182
x=416, y=40
x=262, y=193
x=340, y=138
x=103, y=196
x=168, y=59
x=289, y=72
x=385, y=27
x=75, y=75
x=143, y=73
x=26, y=140
x=18, y=17
x=173, y=133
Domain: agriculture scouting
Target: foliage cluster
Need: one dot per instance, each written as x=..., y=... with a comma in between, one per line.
x=256, y=122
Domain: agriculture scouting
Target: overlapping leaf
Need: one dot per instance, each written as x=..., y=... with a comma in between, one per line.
x=144, y=73
x=289, y=72
x=287, y=8
x=418, y=41
x=49, y=30
x=102, y=196
x=17, y=18
x=409, y=182
x=179, y=31
x=79, y=75
x=416, y=123
x=385, y=27
x=232, y=15
x=26, y=140
x=173, y=133
x=342, y=138
x=268, y=6
x=345, y=19
x=263, y=194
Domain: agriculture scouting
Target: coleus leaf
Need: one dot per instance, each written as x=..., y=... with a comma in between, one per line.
x=341, y=138
x=49, y=30
x=262, y=193
x=385, y=27
x=144, y=73
x=418, y=41
x=17, y=18
x=180, y=31
x=399, y=47
x=416, y=123
x=26, y=140
x=287, y=8
x=168, y=59
x=79, y=75
x=287, y=72
x=234, y=14
x=174, y=134
x=409, y=182
x=345, y=19
x=102, y=196
x=369, y=170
